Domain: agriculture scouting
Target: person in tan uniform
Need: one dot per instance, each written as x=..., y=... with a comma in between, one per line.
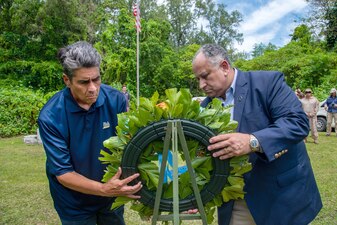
x=310, y=106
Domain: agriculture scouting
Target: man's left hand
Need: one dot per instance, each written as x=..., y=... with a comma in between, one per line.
x=226, y=146
x=119, y=187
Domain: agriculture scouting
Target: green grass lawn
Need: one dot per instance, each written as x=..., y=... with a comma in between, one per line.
x=25, y=198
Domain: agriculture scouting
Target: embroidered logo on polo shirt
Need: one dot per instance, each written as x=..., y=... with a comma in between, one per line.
x=106, y=125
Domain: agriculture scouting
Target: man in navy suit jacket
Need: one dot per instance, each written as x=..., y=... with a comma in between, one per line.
x=281, y=188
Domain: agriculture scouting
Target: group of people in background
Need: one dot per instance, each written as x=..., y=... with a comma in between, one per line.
x=311, y=105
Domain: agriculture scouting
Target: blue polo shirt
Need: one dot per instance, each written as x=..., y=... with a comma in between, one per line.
x=330, y=101
x=72, y=139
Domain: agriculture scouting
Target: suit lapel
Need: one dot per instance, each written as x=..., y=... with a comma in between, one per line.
x=240, y=96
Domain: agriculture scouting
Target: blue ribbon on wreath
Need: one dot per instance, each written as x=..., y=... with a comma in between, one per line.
x=168, y=174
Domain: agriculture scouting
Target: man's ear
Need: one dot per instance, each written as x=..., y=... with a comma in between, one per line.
x=66, y=80
x=225, y=65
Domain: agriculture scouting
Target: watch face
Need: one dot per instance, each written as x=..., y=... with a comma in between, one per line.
x=254, y=143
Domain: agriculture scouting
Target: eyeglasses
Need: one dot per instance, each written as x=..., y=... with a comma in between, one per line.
x=308, y=92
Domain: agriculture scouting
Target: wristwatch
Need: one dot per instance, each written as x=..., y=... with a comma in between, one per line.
x=254, y=144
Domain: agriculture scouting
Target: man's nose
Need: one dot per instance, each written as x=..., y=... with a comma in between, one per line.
x=92, y=87
x=202, y=83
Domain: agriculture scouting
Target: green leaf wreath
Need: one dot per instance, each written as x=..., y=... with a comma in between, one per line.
x=177, y=105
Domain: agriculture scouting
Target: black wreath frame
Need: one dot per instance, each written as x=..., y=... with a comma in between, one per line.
x=156, y=131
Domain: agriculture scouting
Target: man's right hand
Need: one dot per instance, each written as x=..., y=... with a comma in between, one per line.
x=117, y=187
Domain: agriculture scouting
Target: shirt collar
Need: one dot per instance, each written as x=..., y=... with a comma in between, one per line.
x=231, y=89
x=234, y=80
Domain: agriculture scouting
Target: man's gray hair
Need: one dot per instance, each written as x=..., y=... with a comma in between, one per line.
x=78, y=55
x=214, y=53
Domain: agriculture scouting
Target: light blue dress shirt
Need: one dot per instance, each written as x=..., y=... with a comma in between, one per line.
x=229, y=101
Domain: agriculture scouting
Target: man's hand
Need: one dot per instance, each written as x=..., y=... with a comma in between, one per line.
x=117, y=187
x=191, y=211
x=228, y=145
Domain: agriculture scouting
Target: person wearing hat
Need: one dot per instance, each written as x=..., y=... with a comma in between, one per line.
x=331, y=106
x=310, y=106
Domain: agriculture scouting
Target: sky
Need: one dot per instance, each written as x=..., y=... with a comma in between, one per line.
x=267, y=21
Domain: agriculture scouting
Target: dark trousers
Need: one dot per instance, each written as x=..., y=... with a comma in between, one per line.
x=103, y=217
x=225, y=213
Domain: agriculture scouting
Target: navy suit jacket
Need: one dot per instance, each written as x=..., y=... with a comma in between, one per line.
x=281, y=188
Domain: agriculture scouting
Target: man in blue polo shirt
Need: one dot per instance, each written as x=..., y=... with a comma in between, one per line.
x=73, y=125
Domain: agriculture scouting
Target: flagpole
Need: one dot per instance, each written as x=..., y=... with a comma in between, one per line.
x=137, y=65
x=138, y=30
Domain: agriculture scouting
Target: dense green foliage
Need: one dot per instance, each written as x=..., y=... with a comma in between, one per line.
x=324, y=21
x=305, y=63
x=31, y=32
x=19, y=109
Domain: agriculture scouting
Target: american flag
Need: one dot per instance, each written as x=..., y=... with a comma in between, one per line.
x=136, y=13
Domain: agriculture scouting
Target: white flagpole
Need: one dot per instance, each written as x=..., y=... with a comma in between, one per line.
x=138, y=11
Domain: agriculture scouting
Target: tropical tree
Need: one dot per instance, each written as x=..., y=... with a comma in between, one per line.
x=5, y=15
x=260, y=49
x=323, y=21
x=331, y=30
x=220, y=26
x=181, y=19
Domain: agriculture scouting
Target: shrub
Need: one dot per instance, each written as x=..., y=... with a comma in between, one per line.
x=45, y=76
x=19, y=109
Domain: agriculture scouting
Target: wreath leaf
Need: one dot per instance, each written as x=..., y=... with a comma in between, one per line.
x=120, y=201
x=149, y=170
